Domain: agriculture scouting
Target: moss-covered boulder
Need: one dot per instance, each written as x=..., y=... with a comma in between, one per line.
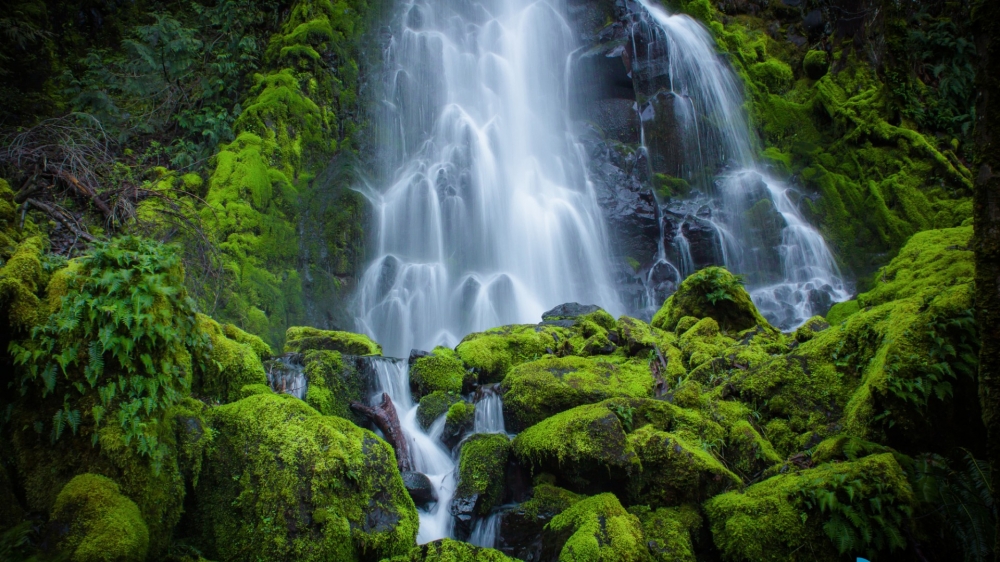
x=539, y=389
x=598, y=529
x=669, y=531
x=815, y=64
x=441, y=370
x=434, y=405
x=522, y=526
x=333, y=381
x=675, y=470
x=301, y=338
x=283, y=481
x=92, y=522
x=711, y=292
x=492, y=353
x=587, y=448
x=481, y=468
x=230, y=365
x=819, y=514
x=447, y=550
x=460, y=420
x=21, y=278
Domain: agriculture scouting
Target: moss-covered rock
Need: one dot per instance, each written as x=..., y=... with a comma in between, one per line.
x=283, y=481
x=586, y=447
x=492, y=353
x=539, y=389
x=447, y=550
x=864, y=504
x=334, y=381
x=301, y=338
x=669, y=531
x=442, y=370
x=230, y=366
x=841, y=311
x=21, y=279
x=483, y=460
x=92, y=521
x=675, y=470
x=434, y=405
x=815, y=64
x=460, y=419
x=595, y=529
x=711, y=292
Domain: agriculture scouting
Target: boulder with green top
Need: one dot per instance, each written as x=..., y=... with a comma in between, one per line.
x=539, y=389
x=93, y=522
x=440, y=370
x=447, y=550
x=434, y=405
x=669, y=531
x=302, y=338
x=711, y=292
x=597, y=528
x=481, y=469
x=283, y=481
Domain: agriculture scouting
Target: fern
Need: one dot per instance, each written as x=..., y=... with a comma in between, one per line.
x=126, y=332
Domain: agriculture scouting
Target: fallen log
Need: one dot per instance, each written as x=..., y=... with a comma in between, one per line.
x=59, y=216
x=384, y=417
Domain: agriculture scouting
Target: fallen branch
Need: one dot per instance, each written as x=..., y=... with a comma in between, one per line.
x=384, y=417
x=59, y=216
x=83, y=190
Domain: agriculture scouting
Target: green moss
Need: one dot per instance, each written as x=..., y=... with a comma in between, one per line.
x=815, y=64
x=669, y=531
x=493, y=352
x=442, y=370
x=21, y=278
x=596, y=529
x=668, y=187
x=539, y=389
x=806, y=331
x=586, y=446
x=778, y=519
x=712, y=292
x=230, y=366
x=258, y=345
x=93, y=521
x=748, y=453
x=773, y=74
x=460, y=419
x=434, y=405
x=483, y=461
x=447, y=550
x=332, y=384
x=252, y=389
x=930, y=262
x=842, y=311
x=283, y=481
x=674, y=470
x=300, y=338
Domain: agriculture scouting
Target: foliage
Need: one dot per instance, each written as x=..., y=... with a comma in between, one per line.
x=961, y=497
x=860, y=516
x=180, y=71
x=124, y=331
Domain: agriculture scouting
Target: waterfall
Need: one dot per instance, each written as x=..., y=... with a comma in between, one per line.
x=486, y=215
x=489, y=411
x=286, y=375
x=791, y=273
x=485, y=532
x=428, y=454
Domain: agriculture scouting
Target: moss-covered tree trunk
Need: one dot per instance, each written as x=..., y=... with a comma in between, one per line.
x=986, y=239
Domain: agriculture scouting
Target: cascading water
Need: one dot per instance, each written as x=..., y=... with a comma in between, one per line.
x=427, y=454
x=488, y=217
x=489, y=411
x=759, y=232
x=485, y=532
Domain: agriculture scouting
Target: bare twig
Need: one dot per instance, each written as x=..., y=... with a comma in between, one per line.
x=60, y=216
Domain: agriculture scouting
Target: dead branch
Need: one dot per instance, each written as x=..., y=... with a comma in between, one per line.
x=60, y=216
x=384, y=417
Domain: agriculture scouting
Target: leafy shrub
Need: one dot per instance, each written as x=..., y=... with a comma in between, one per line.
x=125, y=329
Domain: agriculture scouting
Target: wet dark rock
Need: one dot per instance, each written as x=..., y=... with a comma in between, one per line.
x=463, y=509
x=664, y=134
x=420, y=488
x=813, y=22
x=570, y=310
x=798, y=40
x=703, y=242
x=416, y=354
x=663, y=279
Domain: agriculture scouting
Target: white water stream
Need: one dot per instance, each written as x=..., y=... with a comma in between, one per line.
x=712, y=123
